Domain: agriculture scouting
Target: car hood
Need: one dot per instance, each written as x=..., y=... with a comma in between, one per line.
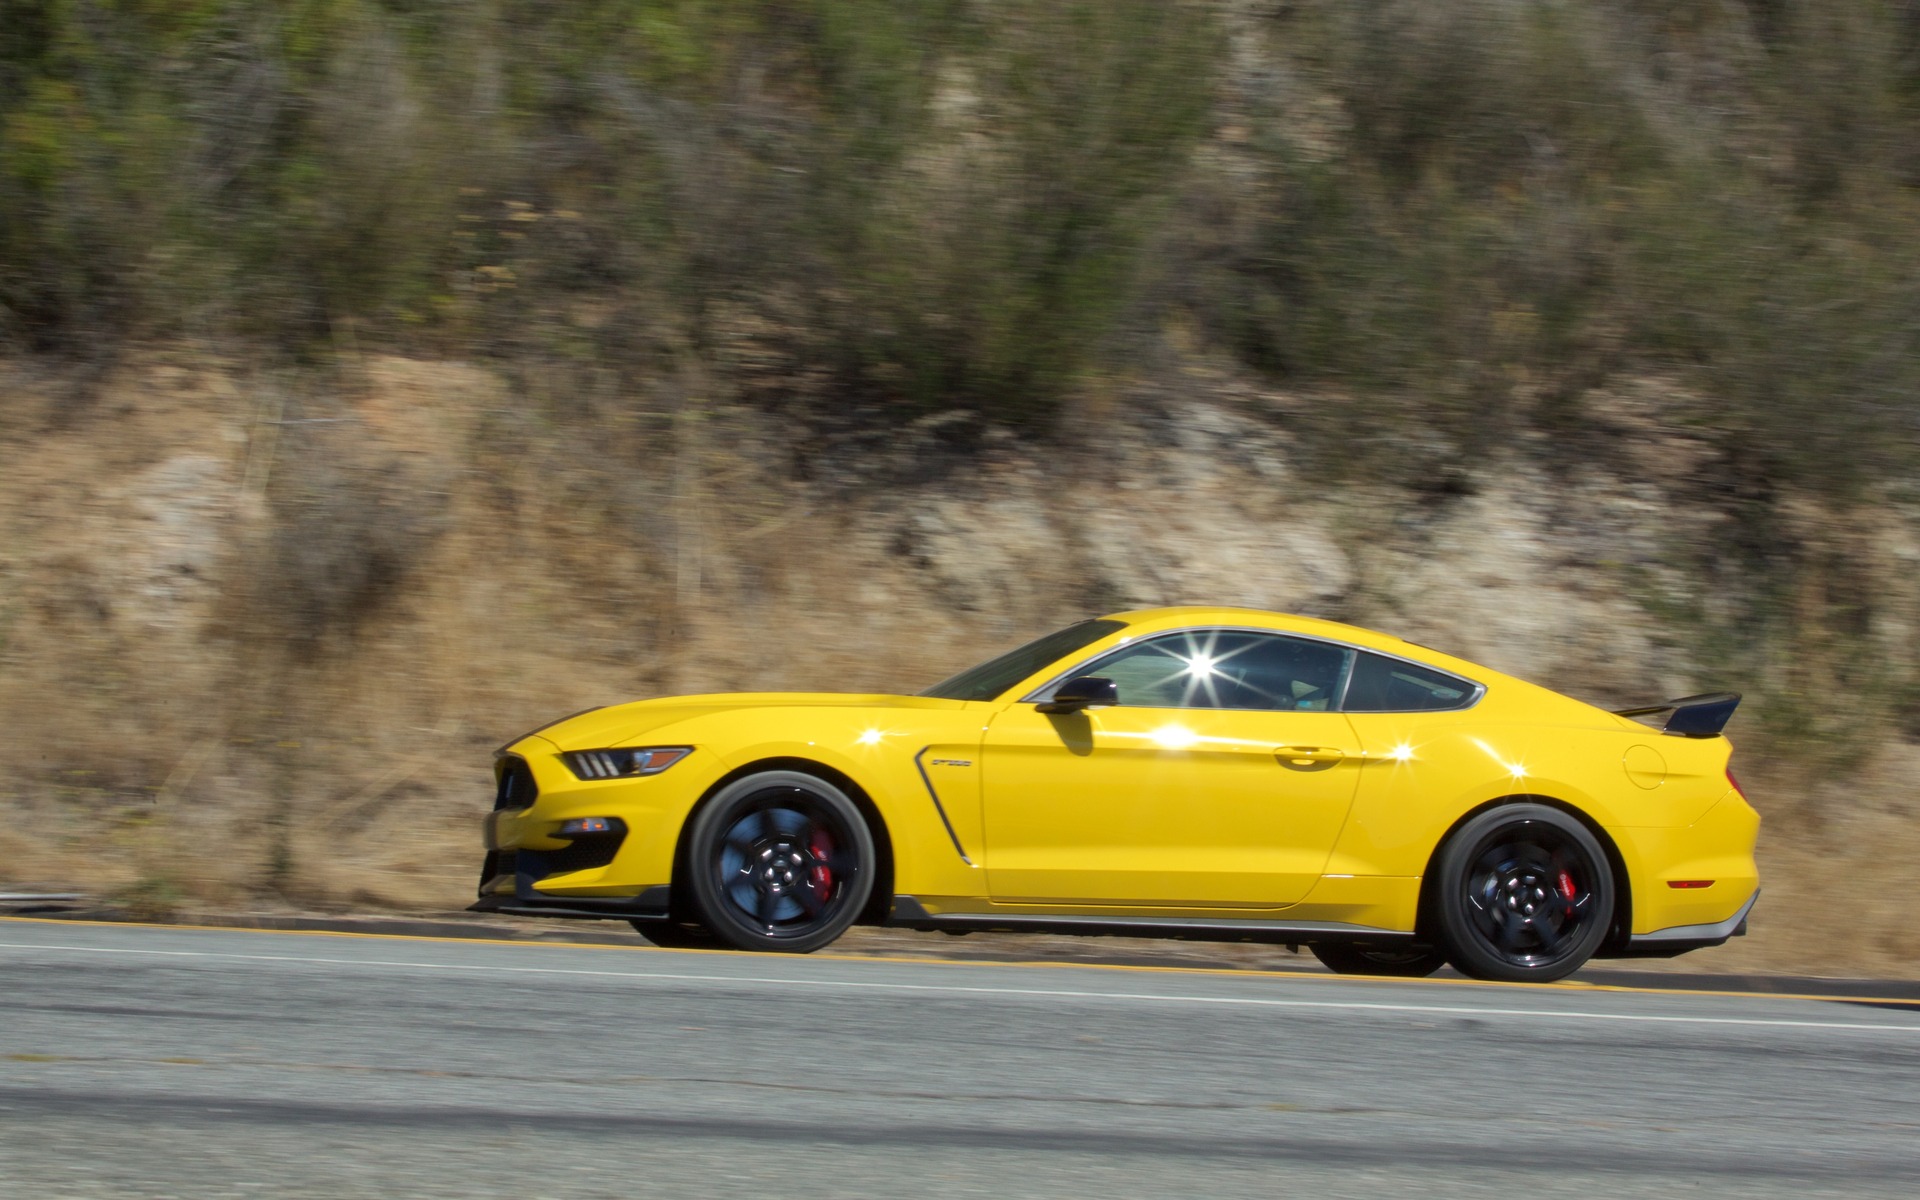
x=626, y=724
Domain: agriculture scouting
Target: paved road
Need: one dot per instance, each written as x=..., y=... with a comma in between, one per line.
x=154, y=1062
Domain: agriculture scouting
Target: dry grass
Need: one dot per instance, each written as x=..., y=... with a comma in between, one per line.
x=212, y=697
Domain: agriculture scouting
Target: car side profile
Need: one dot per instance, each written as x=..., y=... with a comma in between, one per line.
x=1209, y=773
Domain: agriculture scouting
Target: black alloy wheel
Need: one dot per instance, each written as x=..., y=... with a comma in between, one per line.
x=1523, y=894
x=779, y=861
x=1346, y=958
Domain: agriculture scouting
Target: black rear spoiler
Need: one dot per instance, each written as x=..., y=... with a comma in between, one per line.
x=1699, y=716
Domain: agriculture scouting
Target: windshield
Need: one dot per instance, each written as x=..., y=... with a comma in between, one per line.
x=996, y=675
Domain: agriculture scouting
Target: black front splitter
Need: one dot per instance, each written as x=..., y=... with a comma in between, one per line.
x=650, y=905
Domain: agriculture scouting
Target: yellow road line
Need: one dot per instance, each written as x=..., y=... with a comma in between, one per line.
x=1574, y=985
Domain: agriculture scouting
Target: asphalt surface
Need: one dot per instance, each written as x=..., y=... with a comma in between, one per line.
x=144, y=1062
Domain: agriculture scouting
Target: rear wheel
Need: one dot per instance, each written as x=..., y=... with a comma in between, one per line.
x=1414, y=962
x=779, y=861
x=1523, y=894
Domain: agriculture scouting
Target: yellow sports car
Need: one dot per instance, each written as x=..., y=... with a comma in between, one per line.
x=1212, y=773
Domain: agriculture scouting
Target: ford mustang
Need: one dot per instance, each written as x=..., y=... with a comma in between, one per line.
x=1209, y=773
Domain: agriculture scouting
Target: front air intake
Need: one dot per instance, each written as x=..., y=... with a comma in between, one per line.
x=514, y=784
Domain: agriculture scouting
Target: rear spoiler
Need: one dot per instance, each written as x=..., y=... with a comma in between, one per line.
x=1699, y=716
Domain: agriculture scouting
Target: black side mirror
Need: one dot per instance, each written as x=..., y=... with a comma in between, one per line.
x=1076, y=694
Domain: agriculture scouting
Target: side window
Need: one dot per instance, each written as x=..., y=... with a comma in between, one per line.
x=1210, y=668
x=1382, y=684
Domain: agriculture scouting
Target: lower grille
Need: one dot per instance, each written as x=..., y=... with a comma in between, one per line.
x=582, y=854
x=586, y=851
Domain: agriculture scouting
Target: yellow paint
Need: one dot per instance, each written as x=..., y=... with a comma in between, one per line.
x=1166, y=812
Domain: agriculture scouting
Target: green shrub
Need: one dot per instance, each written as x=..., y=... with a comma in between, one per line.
x=861, y=209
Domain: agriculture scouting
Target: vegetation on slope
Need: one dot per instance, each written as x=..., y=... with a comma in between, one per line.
x=1463, y=212
x=1455, y=233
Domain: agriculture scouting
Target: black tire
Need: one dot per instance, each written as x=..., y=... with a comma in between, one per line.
x=676, y=935
x=1522, y=894
x=1345, y=958
x=779, y=861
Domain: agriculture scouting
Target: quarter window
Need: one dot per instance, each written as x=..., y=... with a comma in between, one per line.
x=1382, y=684
x=1215, y=668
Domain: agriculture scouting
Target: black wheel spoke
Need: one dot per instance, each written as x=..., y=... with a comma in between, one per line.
x=789, y=822
x=768, y=906
x=743, y=893
x=745, y=832
x=811, y=900
x=1510, y=928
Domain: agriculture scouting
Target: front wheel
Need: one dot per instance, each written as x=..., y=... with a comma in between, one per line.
x=1522, y=894
x=779, y=861
x=1342, y=958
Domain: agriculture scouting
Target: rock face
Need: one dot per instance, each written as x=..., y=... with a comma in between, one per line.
x=266, y=640
x=1529, y=572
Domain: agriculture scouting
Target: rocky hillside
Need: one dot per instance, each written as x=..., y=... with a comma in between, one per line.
x=261, y=636
x=379, y=379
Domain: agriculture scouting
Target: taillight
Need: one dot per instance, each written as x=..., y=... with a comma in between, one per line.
x=1736, y=784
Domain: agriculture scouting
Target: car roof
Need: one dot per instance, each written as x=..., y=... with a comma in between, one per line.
x=1153, y=620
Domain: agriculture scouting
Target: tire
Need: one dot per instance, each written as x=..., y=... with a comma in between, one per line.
x=676, y=935
x=1346, y=958
x=779, y=861
x=1522, y=894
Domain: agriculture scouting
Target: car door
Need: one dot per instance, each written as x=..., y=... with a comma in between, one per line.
x=1220, y=779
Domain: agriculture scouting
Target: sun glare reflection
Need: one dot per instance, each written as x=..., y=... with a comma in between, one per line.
x=1174, y=737
x=1517, y=770
x=870, y=737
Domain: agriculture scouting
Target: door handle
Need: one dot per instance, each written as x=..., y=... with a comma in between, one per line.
x=1309, y=756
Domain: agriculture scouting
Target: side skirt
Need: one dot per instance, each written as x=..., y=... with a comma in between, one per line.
x=909, y=913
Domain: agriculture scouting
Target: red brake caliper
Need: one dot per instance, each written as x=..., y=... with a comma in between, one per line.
x=821, y=847
x=1566, y=886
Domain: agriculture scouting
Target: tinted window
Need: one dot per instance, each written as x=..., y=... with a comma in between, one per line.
x=1212, y=668
x=1383, y=684
x=990, y=678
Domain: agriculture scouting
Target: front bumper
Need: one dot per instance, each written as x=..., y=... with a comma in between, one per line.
x=530, y=866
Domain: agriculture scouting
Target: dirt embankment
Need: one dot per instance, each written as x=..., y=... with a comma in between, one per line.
x=259, y=632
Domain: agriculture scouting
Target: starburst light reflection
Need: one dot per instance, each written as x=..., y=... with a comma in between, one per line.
x=1173, y=737
x=1517, y=770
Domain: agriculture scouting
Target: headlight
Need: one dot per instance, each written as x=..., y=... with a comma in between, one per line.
x=623, y=764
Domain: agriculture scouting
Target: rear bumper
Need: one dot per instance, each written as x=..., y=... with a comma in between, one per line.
x=1678, y=939
x=1692, y=885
